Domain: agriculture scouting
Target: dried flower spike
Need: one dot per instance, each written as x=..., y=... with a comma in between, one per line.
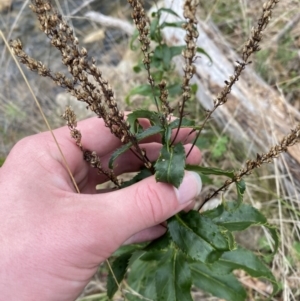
x=251, y=46
x=189, y=54
x=142, y=24
x=90, y=157
x=99, y=97
x=291, y=139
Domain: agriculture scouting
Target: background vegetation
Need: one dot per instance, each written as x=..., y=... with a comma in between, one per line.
x=278, y=63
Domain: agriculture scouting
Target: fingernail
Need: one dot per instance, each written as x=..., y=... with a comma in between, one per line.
x=190, y=187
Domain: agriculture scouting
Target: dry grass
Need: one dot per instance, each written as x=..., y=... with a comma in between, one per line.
x=279, y=60
x=278, y=63
x=19, y=116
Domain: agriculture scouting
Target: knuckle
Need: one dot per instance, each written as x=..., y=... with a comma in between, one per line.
x=26, y=145
x=29, y=142
x=150, y=202
x=30, y=147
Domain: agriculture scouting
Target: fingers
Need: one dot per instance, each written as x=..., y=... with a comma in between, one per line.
x=136, y=208
x=42, y=148
x=128, y=162
x=155, y=231
x=97, y=137
x=147, y=235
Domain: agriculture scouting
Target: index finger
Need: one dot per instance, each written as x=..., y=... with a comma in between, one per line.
x=97, y=137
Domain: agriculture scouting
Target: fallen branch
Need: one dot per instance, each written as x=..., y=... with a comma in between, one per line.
x=256, y=115
x=108, y=21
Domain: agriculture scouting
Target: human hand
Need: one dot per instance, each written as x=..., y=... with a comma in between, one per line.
x=53, y=239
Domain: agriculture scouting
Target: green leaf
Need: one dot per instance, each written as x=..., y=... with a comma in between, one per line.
x=238, y=219
x=143, y=174
x=199, y=236
x=217, y=236
x=153, y=117
x=166, y=137
x=160, y=243
x=147, y=133
x=162, y=57
x=128, y=248
x=174, y=89
x=169, y=167
x=154, y=255
x=117, y=153
x=240, y=186
x=201, y=50
x=158, y=250
x=274, y=235
x=145, y=90
x=185, y=123
x=153, y=28
x=169, y=11
x=141, y=279
x=246, y=260
x=176, y=50
x=172, y=24
x=240, y=189
x=296, y=247
x=173, y=278
x=137, y=69
x=210, y=171
x=194, y=88
x=136, y=256
x=163, y=54
x=203, y=142
x=213, y=280
x=220, y=147
x=119, y=267
x=153, y=130
x=206, y=180
x=133, y=38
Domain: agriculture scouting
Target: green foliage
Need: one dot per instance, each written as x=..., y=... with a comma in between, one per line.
x=12, y=112
x=119, y=267
x=173, y=277
x=285, y=55
x=143, y=174
x=2, y=161
x=239, y=219
x=132, y=119
x=217, y=145
x=200, y=250
x=204, y=171
x=197, y=249
x=199, y=237
x=297, y=248
x=161, y=58
x=169, y=167
x=147, y=133
x=209, y=279
x=220, y=147
x=142, y=280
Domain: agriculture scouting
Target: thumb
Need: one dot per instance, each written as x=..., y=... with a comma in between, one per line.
x=147, y=203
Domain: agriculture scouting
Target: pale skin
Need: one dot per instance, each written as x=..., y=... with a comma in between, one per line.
x=52, y=238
